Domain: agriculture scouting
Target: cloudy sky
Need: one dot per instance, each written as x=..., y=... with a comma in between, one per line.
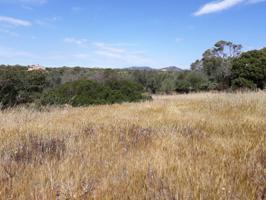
x=122, y=33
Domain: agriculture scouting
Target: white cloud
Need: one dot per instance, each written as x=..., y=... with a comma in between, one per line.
x=120, y=44
x=108, y=48
x=27, y=7
x=79, y=42
x=216, y=6
x=108, y=51
x=14, y=21
x=120, y=53
x=47, y=22
x=220, y=5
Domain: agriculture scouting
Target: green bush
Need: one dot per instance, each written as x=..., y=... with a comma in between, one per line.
x=197, y=80
x=249, y=69
x=18, y=86
x=183, y=86
x=242, y=83
x=86, y=92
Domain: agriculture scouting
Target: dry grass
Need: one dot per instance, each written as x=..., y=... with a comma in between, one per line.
x=198, y=146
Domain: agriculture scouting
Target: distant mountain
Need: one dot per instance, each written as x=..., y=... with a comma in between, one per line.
x=141, y=68
x=146, y=68
x=171, y=69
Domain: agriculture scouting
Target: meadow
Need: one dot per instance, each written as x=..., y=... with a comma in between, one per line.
x=195, y=146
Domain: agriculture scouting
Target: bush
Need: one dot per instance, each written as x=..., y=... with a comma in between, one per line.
x=86, y=92
x=19, y=86
x=168, y=86
x=243, y=84
x=249, y=69
x=183, y=86
x=198, y=80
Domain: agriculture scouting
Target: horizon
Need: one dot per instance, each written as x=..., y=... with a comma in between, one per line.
x=94, y=67
x=118, y=34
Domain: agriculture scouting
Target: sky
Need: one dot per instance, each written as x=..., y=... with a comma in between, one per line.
x=123, y=33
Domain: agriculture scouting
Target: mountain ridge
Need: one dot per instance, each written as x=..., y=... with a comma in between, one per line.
x=147, y=68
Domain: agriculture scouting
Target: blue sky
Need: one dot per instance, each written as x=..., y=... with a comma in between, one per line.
x=122, y=33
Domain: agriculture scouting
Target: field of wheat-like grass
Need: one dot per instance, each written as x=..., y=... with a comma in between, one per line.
x=196, y=146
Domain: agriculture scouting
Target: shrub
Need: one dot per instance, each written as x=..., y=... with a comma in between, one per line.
x=86, y=92
x=243, y=84
x=198, y=80
x=34, y=149
x=19, y=86
x=249, y=69
x=183, y=86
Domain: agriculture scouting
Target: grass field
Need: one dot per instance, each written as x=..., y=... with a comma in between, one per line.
x=197, y=146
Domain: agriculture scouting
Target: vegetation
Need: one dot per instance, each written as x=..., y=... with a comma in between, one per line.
x=85, y=92
x=197, y=146
x=18, y=86
x=226, y=67
x=249, y=70
x=217, y=63
x=223, y=68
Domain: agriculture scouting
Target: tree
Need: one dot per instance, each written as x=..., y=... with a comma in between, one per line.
x=19, y=86
x=242, y=83
x=197, y=65
x=168, y=86
x=216, y=62
x=86, y=92
x=249, y=70
x=198, y=81
x=183, y=86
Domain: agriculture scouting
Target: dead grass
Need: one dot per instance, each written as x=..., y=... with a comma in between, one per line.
x=198, y=146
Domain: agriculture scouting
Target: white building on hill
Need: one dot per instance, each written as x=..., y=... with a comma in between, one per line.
x=36, y=68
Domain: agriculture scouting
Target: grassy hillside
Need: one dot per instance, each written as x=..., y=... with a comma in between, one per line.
x=197, y=146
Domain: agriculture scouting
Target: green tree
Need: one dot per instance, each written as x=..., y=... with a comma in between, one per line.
x=168, y=85
x=183, y=86
x=86, y=92
x=198, y=81
x=249, y=69
x=19, y=86
x=216, y=63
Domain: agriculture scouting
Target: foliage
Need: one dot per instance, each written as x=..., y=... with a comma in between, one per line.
x=198, y=81
x=183, y=86
x=156, y=81
x=216, y=63
x=86, y=92
x=221, y=67
x=168, y=86
x=249, y=70
x=243, y=83
x=19, y=86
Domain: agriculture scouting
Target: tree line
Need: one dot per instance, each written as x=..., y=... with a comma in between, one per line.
x=223, y=67
x=226, y=67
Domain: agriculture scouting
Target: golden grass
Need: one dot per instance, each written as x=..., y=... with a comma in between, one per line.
x=197, y=146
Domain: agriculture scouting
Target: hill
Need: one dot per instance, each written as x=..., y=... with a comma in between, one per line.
x=140, y=68
x=172, y=69
x=146, y=68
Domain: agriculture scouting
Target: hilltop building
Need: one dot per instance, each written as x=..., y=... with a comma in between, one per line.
x=36, y=68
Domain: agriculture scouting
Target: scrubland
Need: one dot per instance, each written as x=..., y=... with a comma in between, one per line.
x=196, y=146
